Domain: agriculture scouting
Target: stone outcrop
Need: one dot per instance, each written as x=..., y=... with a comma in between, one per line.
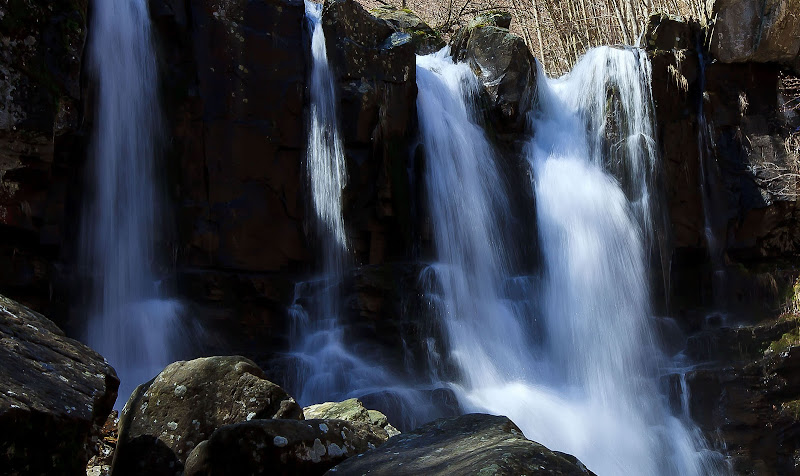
x=282, y=447
x=55, y=395
x=471, y=444
x=350, y=410
x=756, y=31
x=167, y=417
x=749, y=397
x=504, y=64
x=424, y=38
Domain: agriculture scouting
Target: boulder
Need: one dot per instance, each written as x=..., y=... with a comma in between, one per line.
x=55, y=395
x=350, y=410
x=505, y=66
x=167, y=417
x=764, y=31
x=668, y=32
x=282, y=447
x=470, y=445
x=425, y=39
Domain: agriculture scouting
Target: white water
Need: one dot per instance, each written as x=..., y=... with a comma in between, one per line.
x=130, y=324
x=590, y=387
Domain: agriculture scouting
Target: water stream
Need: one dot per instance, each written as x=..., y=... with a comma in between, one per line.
x=131, y=323
x=577, y=371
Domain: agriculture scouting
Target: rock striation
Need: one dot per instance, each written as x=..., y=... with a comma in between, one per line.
x=55, y=395
x=472, y=444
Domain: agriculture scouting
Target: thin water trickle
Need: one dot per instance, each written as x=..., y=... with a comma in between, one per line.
x=130, y=323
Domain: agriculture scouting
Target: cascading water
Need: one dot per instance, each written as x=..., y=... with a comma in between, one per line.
x=580, y=373
x=467, y=200
x=324, y=367
x=130, y=325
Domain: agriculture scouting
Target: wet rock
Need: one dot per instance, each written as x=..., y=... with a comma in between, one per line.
x=167, y=417
x=424, y=38
x=505, y=66
x=469, y=444
x=55, y=395
x=41, y=144
x=376, y=70
x=235, y=73
x=350, y=410
x=282, y=447
x=755, y=31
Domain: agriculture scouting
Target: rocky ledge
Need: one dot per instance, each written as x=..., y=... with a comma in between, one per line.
x=55, y=395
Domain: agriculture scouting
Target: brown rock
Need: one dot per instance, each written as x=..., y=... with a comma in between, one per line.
x=282, y=447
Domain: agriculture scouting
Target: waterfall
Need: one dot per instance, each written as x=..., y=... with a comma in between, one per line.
x=578, y=368
x=130, y=324
x=324, y=367
x=467, y=200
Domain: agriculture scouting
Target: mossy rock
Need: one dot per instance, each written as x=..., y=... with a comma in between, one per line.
x=498, y=18
x=425, y=39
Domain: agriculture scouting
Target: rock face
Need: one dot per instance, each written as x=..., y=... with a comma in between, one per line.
x=505, y=66
x=282, y=447
x=756, y=31
x=41, y=109
x=55, y=395
x=166, y=418
x=376, y=69
x=350, y=410
x=469, y=444
x=750, y=396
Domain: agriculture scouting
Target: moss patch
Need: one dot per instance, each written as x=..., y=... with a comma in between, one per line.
x=787, y=340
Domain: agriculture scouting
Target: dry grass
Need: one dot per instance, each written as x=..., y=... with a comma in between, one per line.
x=557, y=32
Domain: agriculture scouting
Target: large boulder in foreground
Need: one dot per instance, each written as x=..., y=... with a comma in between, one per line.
x=350, y=410
x=55, y=395
x=763, y=31
x=469, y=444
x=285, y=447
x=167, y=417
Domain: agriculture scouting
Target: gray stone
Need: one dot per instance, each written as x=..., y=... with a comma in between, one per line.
x=167, y=417
x=756, y=31
x=506, y=67
x=473, y=444
x=55, y=395
x=350, y=410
